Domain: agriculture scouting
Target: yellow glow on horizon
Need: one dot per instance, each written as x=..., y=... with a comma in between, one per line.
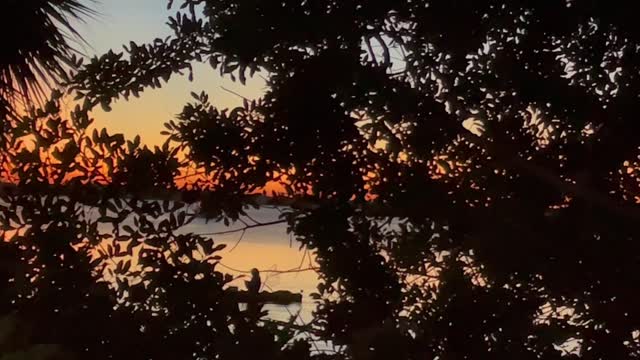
x=146, y=115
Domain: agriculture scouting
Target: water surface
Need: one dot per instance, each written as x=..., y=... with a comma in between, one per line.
x=271, y=250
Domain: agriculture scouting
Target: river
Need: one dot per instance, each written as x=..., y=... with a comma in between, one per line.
x=271, y=250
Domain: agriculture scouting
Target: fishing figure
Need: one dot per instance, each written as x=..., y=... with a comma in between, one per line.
x=253, y=285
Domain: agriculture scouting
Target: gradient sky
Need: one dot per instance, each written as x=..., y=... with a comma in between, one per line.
x=121, y=21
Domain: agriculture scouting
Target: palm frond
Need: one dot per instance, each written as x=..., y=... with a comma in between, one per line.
x=36, y=44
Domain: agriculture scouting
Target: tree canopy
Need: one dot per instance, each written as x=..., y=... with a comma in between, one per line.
x=472, y=167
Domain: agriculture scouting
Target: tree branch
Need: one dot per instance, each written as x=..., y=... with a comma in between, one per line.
x=275, y=222
x=367, y=41
x=234, y=93
x=295, y=270
x=239, y=239
x=385, y=50
x=545, y=175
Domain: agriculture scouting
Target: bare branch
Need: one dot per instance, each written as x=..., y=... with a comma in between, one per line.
x=239, y=239
x=295, y=270
x=304, y=328
x=385, y=50
x=234, y=93
x=275, y=222
x=243, y=222
x=252, y=219
x=373, y=55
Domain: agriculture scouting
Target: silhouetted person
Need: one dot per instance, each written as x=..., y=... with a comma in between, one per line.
x=253, y=285
x=253, y=288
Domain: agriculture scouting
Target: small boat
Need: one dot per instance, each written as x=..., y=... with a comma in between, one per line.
x=280, y=297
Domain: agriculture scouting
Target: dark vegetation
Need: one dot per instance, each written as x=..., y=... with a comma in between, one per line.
x=497, y=142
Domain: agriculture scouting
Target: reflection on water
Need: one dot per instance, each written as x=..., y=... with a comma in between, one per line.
x=271, y=250
x=268, y=248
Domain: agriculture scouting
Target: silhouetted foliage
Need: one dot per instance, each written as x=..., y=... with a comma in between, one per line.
x=36, y=47
x=94, y=269
x=471, y=168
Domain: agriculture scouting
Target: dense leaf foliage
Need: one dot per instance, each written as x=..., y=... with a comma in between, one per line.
x=471, y=168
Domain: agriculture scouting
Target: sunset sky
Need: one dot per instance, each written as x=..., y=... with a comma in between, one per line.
x=141, y=21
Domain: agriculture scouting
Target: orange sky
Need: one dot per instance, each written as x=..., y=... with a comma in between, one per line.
x=121, y=21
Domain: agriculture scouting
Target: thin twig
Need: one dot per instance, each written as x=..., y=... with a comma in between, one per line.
x=234, y=93
x=269, y=271
x=244, y=228
x=184, y=177
x=252, y=219
x=373, y=55
x=238, y=242
x=304, y=255
x=385, y=50
x=304, y=328
x=385, y=223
